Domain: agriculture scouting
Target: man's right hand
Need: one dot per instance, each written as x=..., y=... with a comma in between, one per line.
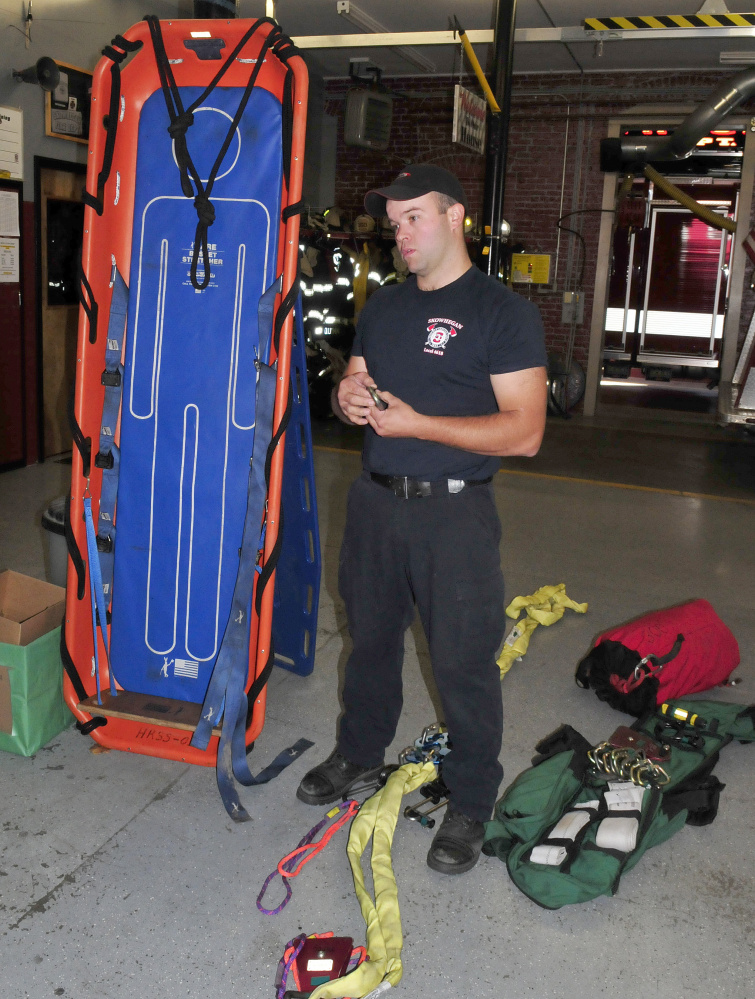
x=353, y=398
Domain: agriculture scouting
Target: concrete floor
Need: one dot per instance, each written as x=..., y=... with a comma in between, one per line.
x=121, y=876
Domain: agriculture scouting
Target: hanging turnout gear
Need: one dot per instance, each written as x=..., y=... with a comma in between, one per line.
x=570, y=826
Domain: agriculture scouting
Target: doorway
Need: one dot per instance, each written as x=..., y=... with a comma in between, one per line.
x=667, y=300
x=59, y=186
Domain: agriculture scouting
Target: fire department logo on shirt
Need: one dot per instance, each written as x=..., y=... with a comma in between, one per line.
x=439, y=333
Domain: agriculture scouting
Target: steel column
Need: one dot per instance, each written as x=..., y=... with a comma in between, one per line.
x=498, y=134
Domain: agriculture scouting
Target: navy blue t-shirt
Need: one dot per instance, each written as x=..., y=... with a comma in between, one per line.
x=436, y=350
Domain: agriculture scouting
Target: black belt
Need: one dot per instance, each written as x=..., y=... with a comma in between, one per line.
x=406, y=488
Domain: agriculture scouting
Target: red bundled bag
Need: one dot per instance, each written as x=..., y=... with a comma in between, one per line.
x=662, y=655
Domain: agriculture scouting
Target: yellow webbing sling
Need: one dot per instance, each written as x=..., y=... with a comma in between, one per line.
x=376, y=821
x=544, y=606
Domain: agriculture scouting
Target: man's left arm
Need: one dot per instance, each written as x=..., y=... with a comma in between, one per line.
x=516, y=429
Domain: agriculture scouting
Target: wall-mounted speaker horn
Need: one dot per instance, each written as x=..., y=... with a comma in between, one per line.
x=44, y=72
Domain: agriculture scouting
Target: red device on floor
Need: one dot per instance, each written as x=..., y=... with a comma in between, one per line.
x=322, y=959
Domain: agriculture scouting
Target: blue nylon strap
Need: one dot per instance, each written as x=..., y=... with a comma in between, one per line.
x=234, y=649
x=265, y=319
x=99, y=604
x=236, y=635
x=226, y=694
x=106, y=531
x=109, y=454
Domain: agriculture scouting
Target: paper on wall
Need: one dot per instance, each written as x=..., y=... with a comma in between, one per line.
x=9, y=267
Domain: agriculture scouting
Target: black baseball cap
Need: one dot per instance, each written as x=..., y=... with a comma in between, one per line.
x=414, y=182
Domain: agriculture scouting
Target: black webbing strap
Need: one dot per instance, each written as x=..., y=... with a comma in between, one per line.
x=699, y=798
x=70, y=666
x=285, y=307
x=287, y=123
x=73, y=550
x=563, y=739
x=181, y=119
x=284, y=48
x=283, y=310
x=261, y=679
x=296, y=209
x=96, y=721
x=110, y=120
x=86, y=298
x=267, y=571
x=672, y=654
x=83, y=444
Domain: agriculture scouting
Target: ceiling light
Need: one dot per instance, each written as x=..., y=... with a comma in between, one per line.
x=366, y=22
x=737, y=58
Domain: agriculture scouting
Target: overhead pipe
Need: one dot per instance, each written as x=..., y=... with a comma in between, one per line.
x=618, y=154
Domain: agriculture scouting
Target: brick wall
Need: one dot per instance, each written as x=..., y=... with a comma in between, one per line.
x=557, y=122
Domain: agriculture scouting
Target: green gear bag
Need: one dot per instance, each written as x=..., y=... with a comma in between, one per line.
x=562, y=778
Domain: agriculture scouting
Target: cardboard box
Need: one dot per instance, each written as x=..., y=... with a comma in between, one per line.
x=32, y=709
x=28, y=608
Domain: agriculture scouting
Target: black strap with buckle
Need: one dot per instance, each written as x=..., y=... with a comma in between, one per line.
x=407, y=488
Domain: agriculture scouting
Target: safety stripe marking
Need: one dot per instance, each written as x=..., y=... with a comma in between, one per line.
x=585, y=482
x=654, y=22
x=669, y=21
x=628, y=485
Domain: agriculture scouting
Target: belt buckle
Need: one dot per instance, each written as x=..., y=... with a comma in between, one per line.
x=456, y=485
x=401, y=486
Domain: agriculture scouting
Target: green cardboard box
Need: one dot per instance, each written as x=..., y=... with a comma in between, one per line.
x=32, y=709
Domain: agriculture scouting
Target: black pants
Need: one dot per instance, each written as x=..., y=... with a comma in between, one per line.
x=440, y=552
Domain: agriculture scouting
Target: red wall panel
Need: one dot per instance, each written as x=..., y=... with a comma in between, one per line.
x=29, y=300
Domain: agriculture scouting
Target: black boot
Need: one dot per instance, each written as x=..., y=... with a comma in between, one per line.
x=457, y=844
x=328, y=781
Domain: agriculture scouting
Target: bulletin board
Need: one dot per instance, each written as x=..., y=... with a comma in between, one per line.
x=67, y=107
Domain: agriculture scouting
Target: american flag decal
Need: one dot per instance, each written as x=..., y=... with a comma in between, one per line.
x=186, y=667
